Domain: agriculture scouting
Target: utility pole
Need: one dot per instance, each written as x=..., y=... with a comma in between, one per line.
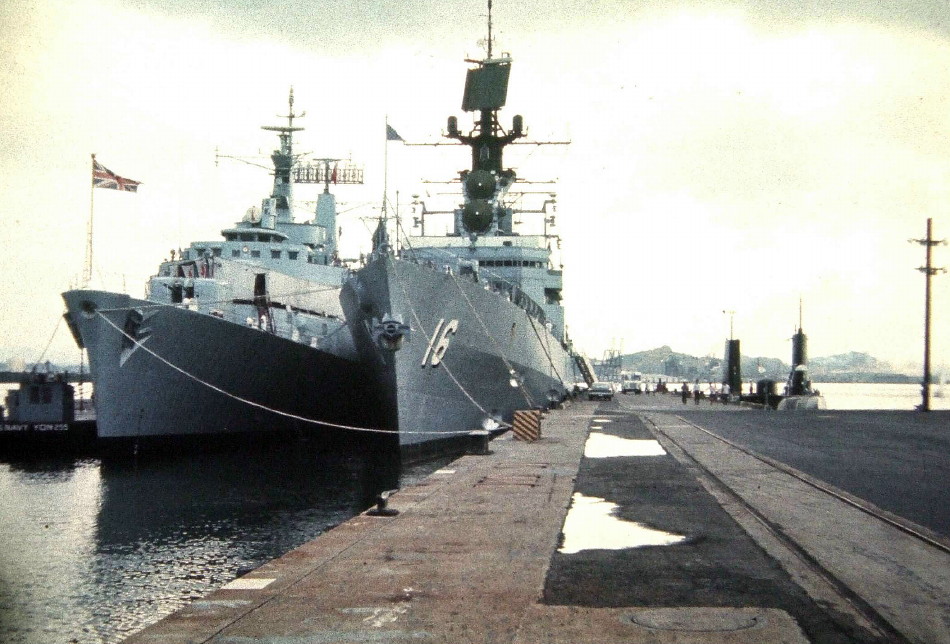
x=929, y=271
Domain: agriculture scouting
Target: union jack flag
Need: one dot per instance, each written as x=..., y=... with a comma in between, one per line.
x=103, y=177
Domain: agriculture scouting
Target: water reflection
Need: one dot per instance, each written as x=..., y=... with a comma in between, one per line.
x=607, y=446
x=93, y=550
x=592, y=524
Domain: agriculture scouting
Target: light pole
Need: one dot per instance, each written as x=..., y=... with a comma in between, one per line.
x=929, y=271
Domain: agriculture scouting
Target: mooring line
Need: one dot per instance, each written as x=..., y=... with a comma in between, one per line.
x=429, y=339
x=501, y=353
x=265, y=407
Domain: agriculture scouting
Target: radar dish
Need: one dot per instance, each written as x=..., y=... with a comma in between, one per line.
x=480, y=184
x=253, y=215
x=486, y=87
x=477, y=216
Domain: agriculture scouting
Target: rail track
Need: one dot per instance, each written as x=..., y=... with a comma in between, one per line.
x=878, y=626
x=903, y=525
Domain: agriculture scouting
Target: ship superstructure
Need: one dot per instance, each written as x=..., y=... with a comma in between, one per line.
x=269, y=270
x=463, y=329
x=241, y=334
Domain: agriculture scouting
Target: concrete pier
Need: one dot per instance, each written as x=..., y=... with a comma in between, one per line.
x=475, y=553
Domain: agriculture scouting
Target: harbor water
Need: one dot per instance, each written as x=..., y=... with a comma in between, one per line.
x=881, y=396
x=93, y=550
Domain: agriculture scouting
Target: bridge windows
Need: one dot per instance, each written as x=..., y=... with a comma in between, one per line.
x=520, y=263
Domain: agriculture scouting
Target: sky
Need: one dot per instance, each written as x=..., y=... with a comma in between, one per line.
x=727, y=159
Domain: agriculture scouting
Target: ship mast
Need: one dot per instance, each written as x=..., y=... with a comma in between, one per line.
x=486, y=90
x=284, y=162
x=488, y=47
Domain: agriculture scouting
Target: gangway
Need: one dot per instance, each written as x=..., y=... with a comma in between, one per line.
x=586, y=368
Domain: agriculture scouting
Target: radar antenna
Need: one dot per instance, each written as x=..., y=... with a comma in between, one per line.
x=488, y=51
x=290, y=116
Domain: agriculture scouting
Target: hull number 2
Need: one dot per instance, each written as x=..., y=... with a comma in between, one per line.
x=440, y=343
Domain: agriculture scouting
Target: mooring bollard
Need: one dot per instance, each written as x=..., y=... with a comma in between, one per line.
x=381, y=510
x=479, y=442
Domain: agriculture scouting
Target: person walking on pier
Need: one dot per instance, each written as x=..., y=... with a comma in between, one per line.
x=696, y=391
x=684, y=392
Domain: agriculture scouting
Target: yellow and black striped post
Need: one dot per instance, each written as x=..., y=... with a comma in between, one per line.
x=526, y=425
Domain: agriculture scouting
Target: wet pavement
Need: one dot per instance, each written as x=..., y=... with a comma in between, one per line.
x=717, y=564
x=481, y=552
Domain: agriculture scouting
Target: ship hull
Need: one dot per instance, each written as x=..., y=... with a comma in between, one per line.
x=454, y=367
x=190, y=374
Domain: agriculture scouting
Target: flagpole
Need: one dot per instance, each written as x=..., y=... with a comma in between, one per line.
x=92, y=191
x=386, y=169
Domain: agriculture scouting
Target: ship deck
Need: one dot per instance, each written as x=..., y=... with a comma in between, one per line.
x=475, y=553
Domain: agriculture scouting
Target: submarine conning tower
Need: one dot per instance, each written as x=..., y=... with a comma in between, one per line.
x=798, y=379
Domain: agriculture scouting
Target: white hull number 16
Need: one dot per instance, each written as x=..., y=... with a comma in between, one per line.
x=439, y=343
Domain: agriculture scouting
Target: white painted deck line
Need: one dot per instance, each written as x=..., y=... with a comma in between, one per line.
x=249, y=583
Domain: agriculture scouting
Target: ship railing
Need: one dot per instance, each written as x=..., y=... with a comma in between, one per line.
x=275, y=324
x=496, y=283
x=453, y=264
x=519, y=298
x=225, y=309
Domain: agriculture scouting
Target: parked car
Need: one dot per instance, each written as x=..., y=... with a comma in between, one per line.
x=601, y=391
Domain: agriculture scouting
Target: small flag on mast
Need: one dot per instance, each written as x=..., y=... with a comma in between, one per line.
x=392, y=135
x=103, y=177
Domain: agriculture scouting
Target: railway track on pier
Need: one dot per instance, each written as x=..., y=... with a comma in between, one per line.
x=887, y=574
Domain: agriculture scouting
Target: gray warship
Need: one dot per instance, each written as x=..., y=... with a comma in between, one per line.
x=241, y=334
x=460, y=331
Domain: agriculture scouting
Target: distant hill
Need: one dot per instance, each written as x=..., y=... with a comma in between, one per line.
x=855, y=367
x=846, y=367
x=851, y=361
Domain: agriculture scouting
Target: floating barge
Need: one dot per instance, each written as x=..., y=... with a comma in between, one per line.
x=41, y=416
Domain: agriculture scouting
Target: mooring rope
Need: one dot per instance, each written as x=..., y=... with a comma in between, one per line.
x=493, y=339
x=501, y=353
x=429, y=339
x=48, y=344
x=257, y=405
x=547, y=351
